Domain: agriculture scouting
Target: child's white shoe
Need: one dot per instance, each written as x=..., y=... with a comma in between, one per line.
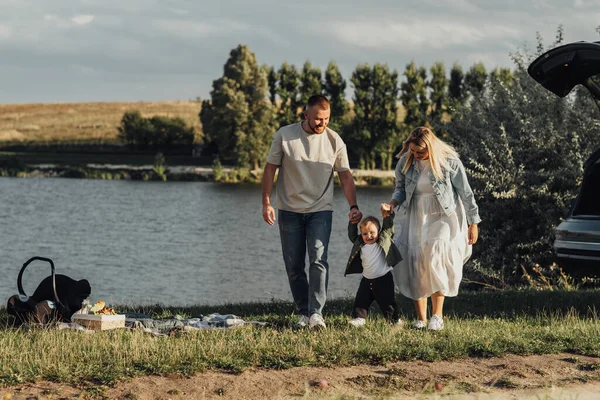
x=357, y=322
x=436, y=323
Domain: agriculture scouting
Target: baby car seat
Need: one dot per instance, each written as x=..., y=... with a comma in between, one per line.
x=56, y=298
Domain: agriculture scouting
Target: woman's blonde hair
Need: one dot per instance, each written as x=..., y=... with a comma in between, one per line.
x=439, y=151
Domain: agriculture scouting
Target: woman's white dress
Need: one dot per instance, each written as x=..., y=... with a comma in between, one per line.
x=434, y=246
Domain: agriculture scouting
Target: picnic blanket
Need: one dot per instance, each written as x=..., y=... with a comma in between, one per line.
x=165, y=326
x=168, y=325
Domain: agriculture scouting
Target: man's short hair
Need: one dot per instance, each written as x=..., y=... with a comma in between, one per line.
x=318, y=99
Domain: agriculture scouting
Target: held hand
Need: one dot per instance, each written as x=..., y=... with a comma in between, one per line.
x=268, y=214
x=386, y=210
x=473, y=233
x=355, y=216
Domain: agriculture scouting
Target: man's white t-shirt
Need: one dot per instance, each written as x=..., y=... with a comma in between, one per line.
x=306, y=163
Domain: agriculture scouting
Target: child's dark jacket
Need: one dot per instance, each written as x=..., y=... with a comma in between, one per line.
x=385, y=240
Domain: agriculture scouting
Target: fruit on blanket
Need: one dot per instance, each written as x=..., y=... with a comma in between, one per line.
x=97, y=307
x=107, y=311
x=100, y=308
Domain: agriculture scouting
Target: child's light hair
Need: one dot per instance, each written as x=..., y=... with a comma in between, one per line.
x=439, y=151
x=372, y=220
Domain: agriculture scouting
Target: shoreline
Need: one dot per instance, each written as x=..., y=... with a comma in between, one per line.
x=173, y=173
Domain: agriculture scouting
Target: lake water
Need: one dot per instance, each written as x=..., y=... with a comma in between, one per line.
x=174, y=243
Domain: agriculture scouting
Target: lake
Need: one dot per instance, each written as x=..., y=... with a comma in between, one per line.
x=173, y=243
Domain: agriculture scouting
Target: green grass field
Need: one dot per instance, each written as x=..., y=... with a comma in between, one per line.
x=478, y=324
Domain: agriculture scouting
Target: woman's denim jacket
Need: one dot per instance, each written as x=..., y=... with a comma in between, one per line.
x=454, y=184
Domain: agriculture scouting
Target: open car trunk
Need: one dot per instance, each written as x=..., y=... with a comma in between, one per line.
x=561, y=69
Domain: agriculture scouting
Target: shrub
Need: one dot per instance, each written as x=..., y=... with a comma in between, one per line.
x=154, y=131
x=524, y=149
x=159, y=167
x=217, y=168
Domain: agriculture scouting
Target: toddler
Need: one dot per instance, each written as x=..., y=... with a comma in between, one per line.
x=374, y=254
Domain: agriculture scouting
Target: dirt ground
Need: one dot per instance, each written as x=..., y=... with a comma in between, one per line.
x=561, y=376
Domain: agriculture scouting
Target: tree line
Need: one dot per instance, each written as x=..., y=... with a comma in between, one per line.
x=523, y=147
x=251, y=101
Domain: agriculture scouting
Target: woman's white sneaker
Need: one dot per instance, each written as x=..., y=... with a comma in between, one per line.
x=418, y=324
x=436, y=323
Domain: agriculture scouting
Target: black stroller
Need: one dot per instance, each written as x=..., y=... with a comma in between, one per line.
x=56, y=298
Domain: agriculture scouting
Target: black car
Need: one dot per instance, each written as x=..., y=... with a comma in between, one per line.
x=559, y=70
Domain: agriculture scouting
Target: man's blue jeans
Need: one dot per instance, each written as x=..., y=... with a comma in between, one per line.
x=301, y=233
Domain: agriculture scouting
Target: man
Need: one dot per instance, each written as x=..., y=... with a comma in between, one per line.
x=307, y=153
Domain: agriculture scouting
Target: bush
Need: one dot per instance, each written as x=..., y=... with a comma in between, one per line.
x=12, y=166
x=155, y=131
x=524, y=150
x=170, y=131
x=217, y=168
x=159, y=167
x=135, y=129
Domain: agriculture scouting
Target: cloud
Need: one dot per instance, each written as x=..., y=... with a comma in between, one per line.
x=416, y=36
x=179, y=46
x=82, y=19
x=5, y=31
x=67, y=23
x=188, y=29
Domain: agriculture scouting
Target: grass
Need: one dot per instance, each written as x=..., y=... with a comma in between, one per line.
x=83, y=122
x=479, y=324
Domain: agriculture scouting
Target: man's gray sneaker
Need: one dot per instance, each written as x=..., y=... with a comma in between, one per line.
x=302, y=321
x=316, y=322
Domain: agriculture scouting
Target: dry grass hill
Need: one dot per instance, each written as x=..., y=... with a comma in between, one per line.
x=82, y=122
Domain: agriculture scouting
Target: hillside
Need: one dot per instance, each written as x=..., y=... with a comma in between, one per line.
x=82, y=122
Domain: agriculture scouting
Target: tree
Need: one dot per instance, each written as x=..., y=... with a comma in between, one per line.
x=272, y=78
x=288, y=94
x=374, y=130
x=335, y=88
x=456, y=89
x=171, y=131
x=414, y=95
x=385, y=90
x=240, y=118
x=475, y=79
x=310, y=83
x=502, y=75
x=135, y=129
x=439, y=91
x=358, y=136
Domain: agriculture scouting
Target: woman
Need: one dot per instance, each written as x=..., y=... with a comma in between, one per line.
x=438, y=223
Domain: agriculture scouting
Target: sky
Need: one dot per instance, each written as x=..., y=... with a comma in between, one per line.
x=158, y=50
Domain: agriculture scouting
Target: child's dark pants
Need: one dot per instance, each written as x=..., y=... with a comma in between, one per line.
x=380, y=290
